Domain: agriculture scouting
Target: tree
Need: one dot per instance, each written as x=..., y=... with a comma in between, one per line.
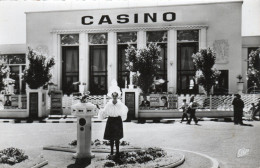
x=38, y=72
x=253, y=72
x=3, y=74
x=146, y=62
x=206, y=75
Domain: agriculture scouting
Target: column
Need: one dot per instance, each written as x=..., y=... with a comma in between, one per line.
x=203, y=38
x=87, y=63
x=172, y=60
x=56, y=71
x=141, y=39
x=82, y=61
x=111, y=58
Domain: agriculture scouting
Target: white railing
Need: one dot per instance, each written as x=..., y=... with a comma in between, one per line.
x=221, y=102
x=67, y=101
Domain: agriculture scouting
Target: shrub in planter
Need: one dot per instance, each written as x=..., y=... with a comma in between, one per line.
x=3, y=74
x=206, y=74
x=253, y=72
x=12, y=156
x=38, y=72
x=146, y=62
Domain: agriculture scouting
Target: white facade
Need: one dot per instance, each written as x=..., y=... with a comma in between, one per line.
x=219, y=26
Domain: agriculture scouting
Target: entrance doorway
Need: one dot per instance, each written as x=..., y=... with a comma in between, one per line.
x=70, y=69
x=33, y=106
x=186, y=69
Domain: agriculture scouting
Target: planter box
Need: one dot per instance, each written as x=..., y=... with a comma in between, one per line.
x=240, y=86
x=13, y=113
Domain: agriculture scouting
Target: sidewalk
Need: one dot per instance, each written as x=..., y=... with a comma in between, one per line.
x=73, y=119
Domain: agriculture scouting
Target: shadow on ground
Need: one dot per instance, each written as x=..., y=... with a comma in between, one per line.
x=80, y=163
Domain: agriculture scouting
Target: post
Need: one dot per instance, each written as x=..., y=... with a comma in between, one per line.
x=210, y=102
x=131, y=86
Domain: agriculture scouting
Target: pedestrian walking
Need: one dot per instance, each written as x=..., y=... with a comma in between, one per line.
x=192, y=109
x=184, y=108
x=116, y=111
x=238, y=106
x=252, y=111
x=257, y=109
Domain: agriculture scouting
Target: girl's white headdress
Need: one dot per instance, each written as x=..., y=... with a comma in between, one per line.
x=114, y=88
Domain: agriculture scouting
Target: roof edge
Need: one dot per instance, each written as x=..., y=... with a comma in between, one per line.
x=72, y=10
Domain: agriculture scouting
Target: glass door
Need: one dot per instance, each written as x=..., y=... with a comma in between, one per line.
x=70, y=69
x=185, y=68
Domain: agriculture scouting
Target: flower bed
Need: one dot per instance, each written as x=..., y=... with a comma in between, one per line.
x=97, y=142
x=12, y=156
x=147, y=157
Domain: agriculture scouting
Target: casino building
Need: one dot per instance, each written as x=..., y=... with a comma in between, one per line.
x=89, y=45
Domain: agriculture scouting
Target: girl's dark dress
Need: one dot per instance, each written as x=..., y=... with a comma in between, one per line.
x=114, y=128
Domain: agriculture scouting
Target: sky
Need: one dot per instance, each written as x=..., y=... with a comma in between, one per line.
x=13, y=18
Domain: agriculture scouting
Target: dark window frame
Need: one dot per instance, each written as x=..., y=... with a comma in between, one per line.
x=187, y=73
x=92, y=89
x=64, y=75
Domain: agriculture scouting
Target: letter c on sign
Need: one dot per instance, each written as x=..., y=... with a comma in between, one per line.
x=171, y=16
x=83, y=20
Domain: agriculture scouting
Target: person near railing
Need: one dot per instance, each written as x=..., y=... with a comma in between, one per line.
x=184, y=108
x=192, y=108
x=145, y=102
x=256, y=110
x=238, y=105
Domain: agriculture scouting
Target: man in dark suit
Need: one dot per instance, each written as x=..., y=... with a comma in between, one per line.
x=238, y=106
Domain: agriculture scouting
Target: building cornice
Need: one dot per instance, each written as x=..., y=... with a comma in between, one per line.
x=129, y=7
x=96, y=30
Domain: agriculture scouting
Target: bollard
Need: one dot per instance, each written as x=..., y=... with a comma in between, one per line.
x=84, y=112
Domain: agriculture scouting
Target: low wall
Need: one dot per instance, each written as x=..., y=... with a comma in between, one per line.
x=14, y=113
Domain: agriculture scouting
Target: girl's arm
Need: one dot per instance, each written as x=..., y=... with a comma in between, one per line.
x=124, y=112
x=102, y=114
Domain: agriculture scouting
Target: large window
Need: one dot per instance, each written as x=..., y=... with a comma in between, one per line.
x=98, y=63
x=221, y=86
x=160, y=37
x=123, y=39
x=70, y=62
x=16, y=63
x=187, y=44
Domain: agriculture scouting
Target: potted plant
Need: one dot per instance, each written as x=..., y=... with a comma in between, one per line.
x=239, y=77
x=36, y=75
x=240, y=84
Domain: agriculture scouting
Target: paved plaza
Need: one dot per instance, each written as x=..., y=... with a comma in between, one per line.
x=220, y=140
